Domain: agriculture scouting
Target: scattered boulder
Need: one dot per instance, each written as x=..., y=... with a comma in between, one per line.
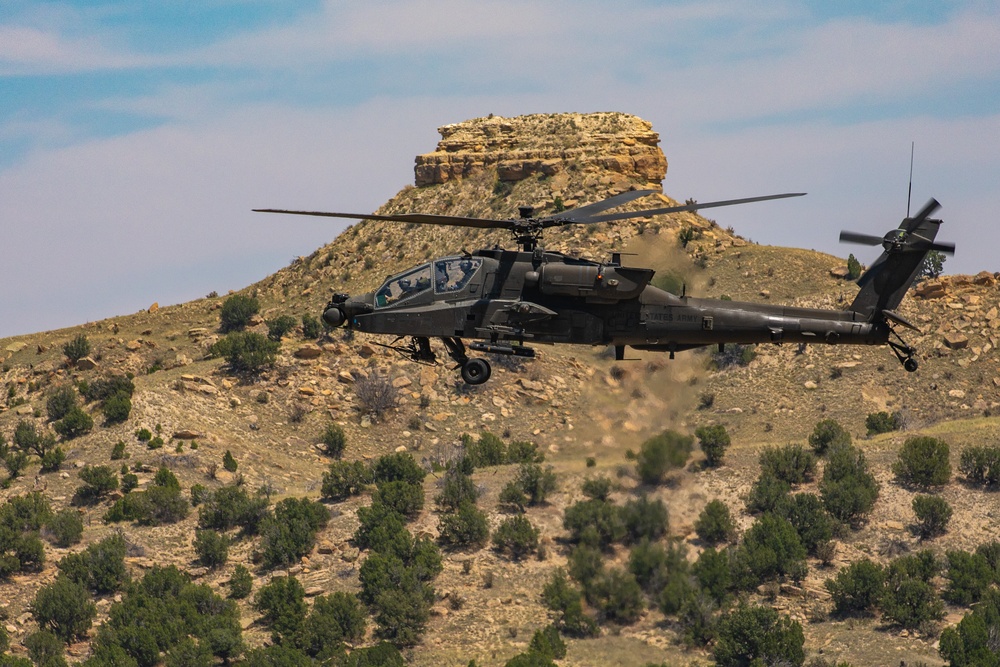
x=309, y=351
x=930, y=289
x=956, y=340
x=840, y=272
x=86, y=364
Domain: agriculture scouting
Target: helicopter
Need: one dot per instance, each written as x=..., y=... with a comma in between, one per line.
x=504, y=300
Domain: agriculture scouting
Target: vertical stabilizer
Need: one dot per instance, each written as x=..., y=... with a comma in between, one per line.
x=884, y=285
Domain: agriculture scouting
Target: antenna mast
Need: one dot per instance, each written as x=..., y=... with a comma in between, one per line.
x=909, y=189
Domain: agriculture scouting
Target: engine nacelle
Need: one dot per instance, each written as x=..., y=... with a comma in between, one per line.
x=605, y=283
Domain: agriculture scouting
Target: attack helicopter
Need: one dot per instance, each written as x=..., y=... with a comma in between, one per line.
x=503, y=300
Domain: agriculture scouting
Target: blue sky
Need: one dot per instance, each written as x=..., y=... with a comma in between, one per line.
x=135, y=137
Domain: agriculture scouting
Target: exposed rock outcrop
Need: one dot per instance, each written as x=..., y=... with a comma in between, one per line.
x=543, y=144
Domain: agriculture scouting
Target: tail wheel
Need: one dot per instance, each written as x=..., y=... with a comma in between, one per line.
x=476, y=371
x=910, y=364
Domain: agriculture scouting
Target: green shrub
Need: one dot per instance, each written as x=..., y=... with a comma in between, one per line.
x=882, y=422
x=65, y=608
x=715, y=524
x=211, y=547
x=53, y=459
x=161, y=613
x=382, y=654
x=752, y=635
x=807, y=515
x=118, y=451
x=403, y=497
x=792, y=464
x=848, y=489
x=969, y=577
x=46, y=649
x=857, y=588
x=598, y=488
x=465, y=527
x=489, y=450
x=546, y=641
x=312, y=328
x=102, y=389
x=129, y=482
x=344, y=479
x=240, y=582
x=402, y=612
x=98, y=482
x=516, y=537
x=77, y=349
x=60, y=402
x=512, y=498
x=981, y=465
x=333, y=441
x=586, y=562
x=117, y=408
x=457, y=489
x=333, y=619
x=714, y=441
x=973, y=642
x=909, y=599
x=924, y=462
x=15, y=462
x=282, y=604
x=733, y=354
x=74, y=424
x=933, y=514
x=100, y=567
x=768, y=494
x=65, y=528
x=290, y=532
x=910, y=603
x=560, y=596
x=521, y=451
x=713, y=572
x=231, y=506
x=536, y=482
x=397, y=467
x=278, y=327
x=770, y=549
x=186, y=653
x=697, y=620
x=237, y=311
x=380, y=528
x=644, y=519
x=229, y=461
x=853, y=267
x=246, y=352
x=828, y=434
x=661, y=454
x=594, y=522
x=617, y=596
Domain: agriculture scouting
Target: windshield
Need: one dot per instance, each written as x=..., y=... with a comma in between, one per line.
x=404, y=286
x=454, y=273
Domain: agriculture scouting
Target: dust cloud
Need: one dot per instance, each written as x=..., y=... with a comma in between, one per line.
x=631, y=400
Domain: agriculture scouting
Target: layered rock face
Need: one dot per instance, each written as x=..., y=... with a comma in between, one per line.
x=544, y=144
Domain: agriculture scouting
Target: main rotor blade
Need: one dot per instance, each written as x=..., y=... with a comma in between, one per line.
x=578, y=214
x=863, y=239
x=687, y=207
x=911, y=224
x=419, y=218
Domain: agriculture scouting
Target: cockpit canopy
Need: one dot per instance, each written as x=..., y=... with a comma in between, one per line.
x=449, y=275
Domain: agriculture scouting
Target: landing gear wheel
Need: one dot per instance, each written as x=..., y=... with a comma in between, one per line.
x=476, y=371
x=910, y=364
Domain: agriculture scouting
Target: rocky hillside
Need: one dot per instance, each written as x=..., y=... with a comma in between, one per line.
x=582, y=409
